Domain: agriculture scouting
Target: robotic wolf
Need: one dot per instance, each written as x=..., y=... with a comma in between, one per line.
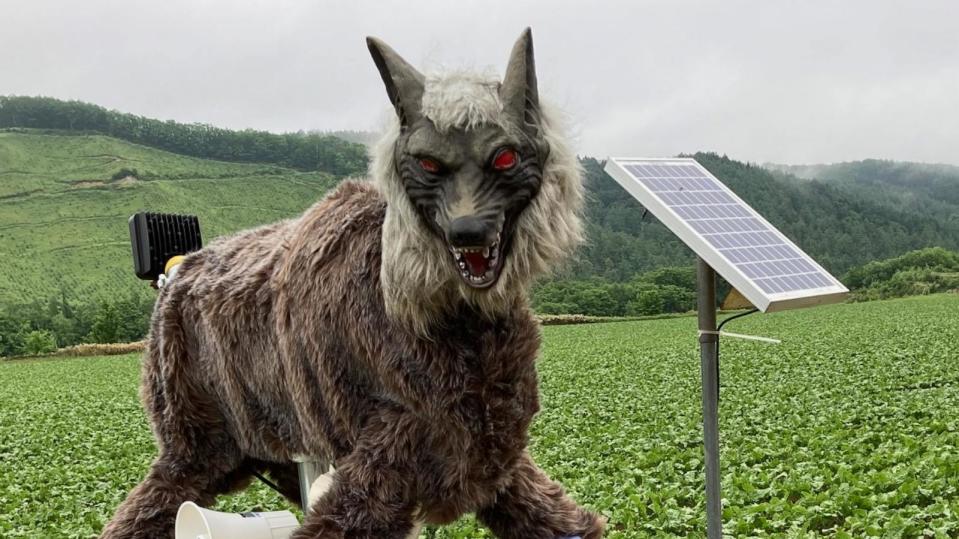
x=387, y=329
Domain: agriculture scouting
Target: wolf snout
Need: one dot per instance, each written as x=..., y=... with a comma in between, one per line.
x=471, y=231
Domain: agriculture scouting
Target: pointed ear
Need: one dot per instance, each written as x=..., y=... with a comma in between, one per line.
x=404, y=84
x=518, y=91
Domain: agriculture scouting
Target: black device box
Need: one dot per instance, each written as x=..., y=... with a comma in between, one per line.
x=157, y=237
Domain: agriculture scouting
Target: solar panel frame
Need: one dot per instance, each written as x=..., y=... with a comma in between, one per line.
x=764, y=301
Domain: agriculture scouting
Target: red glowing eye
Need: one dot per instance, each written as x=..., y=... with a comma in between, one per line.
x=505, y=159
x=429, y=165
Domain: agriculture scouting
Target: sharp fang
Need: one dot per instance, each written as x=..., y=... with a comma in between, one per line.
x=486, y=252
x=459, y=255
x=462, y=265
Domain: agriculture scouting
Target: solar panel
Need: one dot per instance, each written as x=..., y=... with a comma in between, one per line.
x=758, y=260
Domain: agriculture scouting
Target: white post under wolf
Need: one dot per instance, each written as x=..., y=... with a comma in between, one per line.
x=309, y=471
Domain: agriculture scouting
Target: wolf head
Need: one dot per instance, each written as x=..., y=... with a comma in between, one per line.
x=483, y=194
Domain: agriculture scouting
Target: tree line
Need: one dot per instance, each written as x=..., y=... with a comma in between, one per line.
x=673, y=289
x=924, y=271
x=301, y=151
x=44, y=325
x=665, y=290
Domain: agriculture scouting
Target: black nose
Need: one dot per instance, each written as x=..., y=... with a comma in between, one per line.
x=469, y=231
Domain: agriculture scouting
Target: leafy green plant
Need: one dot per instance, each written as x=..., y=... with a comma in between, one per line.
x=39, y=342
x=125, y=173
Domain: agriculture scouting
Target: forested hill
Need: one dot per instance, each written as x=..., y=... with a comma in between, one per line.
x=300, y=151
x=914, y=187
x=841, y=228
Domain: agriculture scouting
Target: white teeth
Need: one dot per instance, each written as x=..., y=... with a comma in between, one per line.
x=490, y=253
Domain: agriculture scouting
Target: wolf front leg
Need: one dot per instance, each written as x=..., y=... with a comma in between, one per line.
x=371, y=496
x=535, y=507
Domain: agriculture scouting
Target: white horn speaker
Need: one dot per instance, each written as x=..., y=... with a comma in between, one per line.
x=195, y=522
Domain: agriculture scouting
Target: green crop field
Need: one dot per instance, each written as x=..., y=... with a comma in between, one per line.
x=63, y=218
x=849, y=428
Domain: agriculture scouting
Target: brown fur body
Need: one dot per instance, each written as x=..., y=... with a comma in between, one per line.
x=275, y=343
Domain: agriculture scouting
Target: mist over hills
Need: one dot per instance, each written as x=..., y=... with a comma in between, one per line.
x=930, y=189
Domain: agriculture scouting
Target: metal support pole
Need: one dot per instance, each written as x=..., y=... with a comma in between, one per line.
x=309, y=471
x=709, y=365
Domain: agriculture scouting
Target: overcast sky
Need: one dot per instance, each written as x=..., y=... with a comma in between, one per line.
x=765, y=80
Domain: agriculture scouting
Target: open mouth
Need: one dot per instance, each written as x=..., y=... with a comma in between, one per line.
x=478, y=266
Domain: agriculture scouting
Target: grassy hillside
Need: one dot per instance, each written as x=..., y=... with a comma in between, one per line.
x=847, y=429
x=63, y=220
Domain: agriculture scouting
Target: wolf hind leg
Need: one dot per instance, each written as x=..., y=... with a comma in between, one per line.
x=149, y=511
x=198, y=458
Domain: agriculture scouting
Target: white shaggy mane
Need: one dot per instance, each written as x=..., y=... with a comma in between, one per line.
x=419, y=282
